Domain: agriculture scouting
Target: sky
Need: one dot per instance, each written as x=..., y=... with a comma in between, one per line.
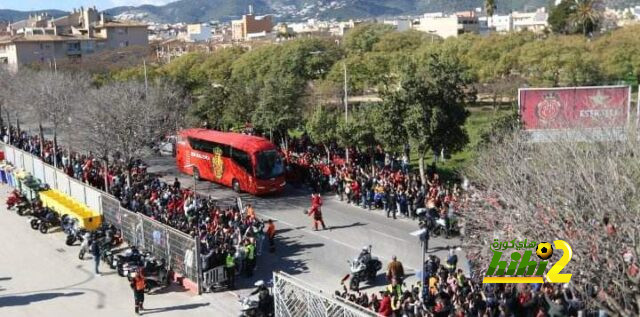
x=67, y=5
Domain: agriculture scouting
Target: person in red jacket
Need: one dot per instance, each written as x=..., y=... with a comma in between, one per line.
x=385, y=305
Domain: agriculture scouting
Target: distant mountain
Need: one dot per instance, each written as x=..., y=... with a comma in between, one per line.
x=12, y=15
x=206, y=10
x=297, y=10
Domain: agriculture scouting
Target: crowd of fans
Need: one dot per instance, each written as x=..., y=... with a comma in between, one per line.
x=450, y=293
x=230, y=237
x=370, y=180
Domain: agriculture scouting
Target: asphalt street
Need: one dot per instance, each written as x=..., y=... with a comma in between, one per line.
x=42, y=277
x=320, y=257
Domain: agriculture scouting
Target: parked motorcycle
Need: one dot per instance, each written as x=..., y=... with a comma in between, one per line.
x=14, y=198
x=44, y=220
x=363, y=268
x=155, y=273
x=127, y=262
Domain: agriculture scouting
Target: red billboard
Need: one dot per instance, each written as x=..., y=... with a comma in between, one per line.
x=574, y=107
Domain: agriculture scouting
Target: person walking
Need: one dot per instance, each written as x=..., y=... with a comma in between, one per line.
x=317, y=217
x=395, y=270
x=95, y=251
x=138, y=285
x=230, y=269
x=271, y=234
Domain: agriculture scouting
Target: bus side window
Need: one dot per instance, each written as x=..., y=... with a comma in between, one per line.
x=243, y=159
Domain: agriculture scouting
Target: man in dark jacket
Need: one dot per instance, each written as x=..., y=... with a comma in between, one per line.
x=95, y=251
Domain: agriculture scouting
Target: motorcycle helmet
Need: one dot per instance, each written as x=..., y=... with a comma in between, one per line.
x=259, y=283
x=365, y=248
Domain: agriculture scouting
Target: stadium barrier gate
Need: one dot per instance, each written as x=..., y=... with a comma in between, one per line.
x=295, y=298
x=179, y=249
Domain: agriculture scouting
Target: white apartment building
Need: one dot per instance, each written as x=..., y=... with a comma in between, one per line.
x=447, y=26
x=531, y=21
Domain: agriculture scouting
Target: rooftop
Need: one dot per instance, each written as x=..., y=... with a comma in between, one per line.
x=40, y=38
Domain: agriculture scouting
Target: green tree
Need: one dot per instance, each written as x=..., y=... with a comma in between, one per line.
x=435, y=98
x=560, y=17
x=322, y=126
x=363, y=37
x=586, y=15
x=401, y=41
x=490, y=7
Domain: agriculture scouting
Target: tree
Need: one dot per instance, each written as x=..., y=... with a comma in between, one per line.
x=581, y=192
x=322, y=126
x=490, y=7
x=586, y=15
x=363, y=37
x=122, y=119
x=435, y=98
x=560, y=15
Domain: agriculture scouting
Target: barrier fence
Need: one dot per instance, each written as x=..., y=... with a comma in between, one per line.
x=294, y=298
x=177, y=248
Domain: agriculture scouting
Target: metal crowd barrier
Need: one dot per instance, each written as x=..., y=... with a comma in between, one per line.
x=179, y=249
x=214, y=279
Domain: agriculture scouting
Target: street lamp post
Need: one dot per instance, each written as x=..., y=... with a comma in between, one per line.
x=423, y=235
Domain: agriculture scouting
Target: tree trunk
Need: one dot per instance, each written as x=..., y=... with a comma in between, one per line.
x=55, y=148
x=421, y=166
x=106, y=174
x=41, y=133
x=326, y=148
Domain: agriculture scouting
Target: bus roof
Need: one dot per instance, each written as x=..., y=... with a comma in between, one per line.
x=247, y=143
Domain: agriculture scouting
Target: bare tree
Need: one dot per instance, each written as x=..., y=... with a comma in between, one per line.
x=121, y=119
x=585, y=193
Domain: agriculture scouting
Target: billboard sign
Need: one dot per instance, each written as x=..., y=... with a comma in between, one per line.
x=549, y=109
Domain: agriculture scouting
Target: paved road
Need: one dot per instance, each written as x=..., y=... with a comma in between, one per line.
x=40, y=276
x=319, y=257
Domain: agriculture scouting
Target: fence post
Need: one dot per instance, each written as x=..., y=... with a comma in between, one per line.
x=166, y=234
x=198, y=265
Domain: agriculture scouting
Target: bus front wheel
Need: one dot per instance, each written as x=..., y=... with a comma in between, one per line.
x=235, y=185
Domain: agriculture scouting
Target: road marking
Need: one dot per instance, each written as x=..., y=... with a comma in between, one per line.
x=390, y=236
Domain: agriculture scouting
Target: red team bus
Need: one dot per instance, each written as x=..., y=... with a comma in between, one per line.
x=242, y=162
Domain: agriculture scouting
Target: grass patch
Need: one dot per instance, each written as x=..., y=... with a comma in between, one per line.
x=479, y=120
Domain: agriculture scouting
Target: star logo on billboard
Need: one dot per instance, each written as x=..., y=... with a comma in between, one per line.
x=599, y=99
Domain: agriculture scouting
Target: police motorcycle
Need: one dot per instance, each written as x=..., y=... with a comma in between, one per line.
x=363, y=268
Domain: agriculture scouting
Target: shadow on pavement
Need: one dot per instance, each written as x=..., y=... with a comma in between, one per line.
x=173, y=308
x=286, y=258
x=21, y=300
x=173, y=288
x=355, y=224
x=5, y=278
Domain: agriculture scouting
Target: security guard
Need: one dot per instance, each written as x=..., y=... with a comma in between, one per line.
x=138, y=285
x=395, y=288
x=250, y=250
x=230, y=268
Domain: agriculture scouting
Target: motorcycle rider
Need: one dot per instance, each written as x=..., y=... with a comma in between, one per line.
x=265, y=299
x=365, y=256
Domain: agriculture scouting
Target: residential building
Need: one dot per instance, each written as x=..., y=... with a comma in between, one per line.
x=446, y=26
x=399, y=24
x=251, y=26
x=200, y=32
x=531, y=21
x=500, y=23
x=44, y=39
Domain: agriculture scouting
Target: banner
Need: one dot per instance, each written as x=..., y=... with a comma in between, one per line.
x=574, y=107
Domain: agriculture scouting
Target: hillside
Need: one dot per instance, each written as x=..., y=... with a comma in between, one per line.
x=13, y=15
x=297, y=10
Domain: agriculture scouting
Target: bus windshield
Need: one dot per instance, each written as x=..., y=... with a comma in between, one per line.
x=269, y=165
